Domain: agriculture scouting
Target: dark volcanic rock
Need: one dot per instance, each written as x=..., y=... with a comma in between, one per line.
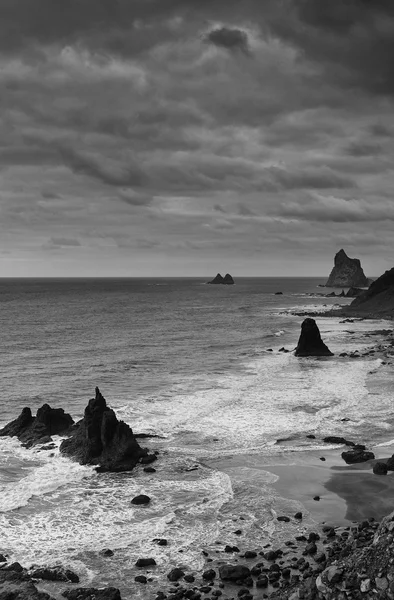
x=347, y=272
x=55, y=574
x=353, y=292
x=357, y=456
x=310, y=342
x=233, y=572
x=36, y=430
x=378, y=299
x=109, y=593
x=141, y=499
x=380, y=468
x=100, y=439
x=226, y=280
x=15, y=584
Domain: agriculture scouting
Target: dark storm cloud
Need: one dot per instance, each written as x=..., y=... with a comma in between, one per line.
x=353, y=40
x=229, y=38
x=99, y=167
x=319, y=178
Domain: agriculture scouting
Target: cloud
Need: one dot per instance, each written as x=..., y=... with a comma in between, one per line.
x=229, y=38
x=62, y=242
x=316, y=207
x=101, y=168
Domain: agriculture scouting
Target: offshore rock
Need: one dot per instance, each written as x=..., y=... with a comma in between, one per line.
x=310, y=342
x=347, y=272
x=226, y=280
x=100, y=439
x=36, y=430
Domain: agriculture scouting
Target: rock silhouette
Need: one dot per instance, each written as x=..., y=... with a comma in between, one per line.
x=378, y=299
x=39, y=429
x=226, y=280
x=100, y=439
x=310, y=342
x=347, y=272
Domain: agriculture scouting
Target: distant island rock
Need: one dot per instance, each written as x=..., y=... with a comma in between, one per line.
x=39, y=429
x=226, y=280
x=378, y=299
x=347, y=272
x=100, y=439
x=310, y=342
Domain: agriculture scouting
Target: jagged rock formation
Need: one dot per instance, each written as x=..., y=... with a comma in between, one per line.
x=226, y=280
x=310, y=342
x=100, y=439
x=379, y=298
x=37, y=430
x=347, y=272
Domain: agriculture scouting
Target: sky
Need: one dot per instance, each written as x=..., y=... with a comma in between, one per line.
x=188, y=137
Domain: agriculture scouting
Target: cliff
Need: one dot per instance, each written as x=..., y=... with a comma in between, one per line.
x=347, y=272
x=378, y=300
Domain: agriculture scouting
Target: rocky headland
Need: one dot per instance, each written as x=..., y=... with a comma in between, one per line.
x=347, y=272
x=226, y=280
x=378, y=299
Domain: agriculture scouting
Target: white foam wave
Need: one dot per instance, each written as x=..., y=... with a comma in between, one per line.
x=42, y=478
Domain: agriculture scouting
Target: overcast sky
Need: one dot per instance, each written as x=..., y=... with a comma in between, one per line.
x=187, y=137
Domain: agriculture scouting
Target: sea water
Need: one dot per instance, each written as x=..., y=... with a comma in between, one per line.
x=197, y=365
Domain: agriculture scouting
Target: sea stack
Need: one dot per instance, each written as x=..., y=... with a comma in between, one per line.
x=100, y=439
x=226, y=280
x=347, y=272
x=310, y=342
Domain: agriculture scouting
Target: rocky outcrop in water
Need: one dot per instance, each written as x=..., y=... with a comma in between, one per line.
x=226, y=280
x=378, y=299
x=310, y=342
x=100, y=439
x=347, y=272
x=39, y=429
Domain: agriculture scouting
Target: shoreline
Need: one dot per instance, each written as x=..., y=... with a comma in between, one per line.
x=300, y=476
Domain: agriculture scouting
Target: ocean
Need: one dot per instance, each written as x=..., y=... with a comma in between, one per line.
x=197, y=365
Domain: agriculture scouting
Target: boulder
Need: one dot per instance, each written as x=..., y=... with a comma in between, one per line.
x=226, y=280
x=310, y=342
x=380, y=468
x=100, y=439
x=55, y=574
x=16, y=584
x=175, y=574
x=347, y=272
x=36, y=430
x=390, y=463
x=233, y=572
x=141, y=499
x=357, y=456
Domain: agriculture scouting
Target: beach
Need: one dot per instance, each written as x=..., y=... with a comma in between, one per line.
x=239, y=437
